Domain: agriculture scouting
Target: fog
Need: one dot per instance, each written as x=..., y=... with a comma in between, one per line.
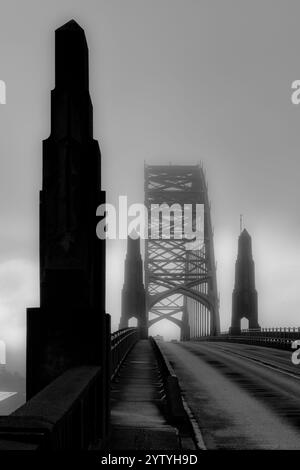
x=171, y=81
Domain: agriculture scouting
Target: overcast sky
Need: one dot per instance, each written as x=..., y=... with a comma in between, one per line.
x=179, y=81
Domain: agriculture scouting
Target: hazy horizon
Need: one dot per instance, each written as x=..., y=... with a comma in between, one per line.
x=171, y=81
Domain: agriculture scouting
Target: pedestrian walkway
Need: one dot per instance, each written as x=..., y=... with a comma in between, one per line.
x=137, y=414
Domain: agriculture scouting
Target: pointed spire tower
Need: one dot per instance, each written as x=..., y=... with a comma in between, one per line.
x=69, y=251
x=244, y=296
x=133, y=292
x=68, y=329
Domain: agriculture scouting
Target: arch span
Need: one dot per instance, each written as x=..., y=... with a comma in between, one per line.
x=172, y=266
x=165, y=317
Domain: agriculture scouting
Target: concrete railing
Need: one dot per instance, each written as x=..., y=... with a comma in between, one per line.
x=122, y=341
x=175, y=405
x=273, y=330
x=72, y=412
x=67, y=414
x=280, y=338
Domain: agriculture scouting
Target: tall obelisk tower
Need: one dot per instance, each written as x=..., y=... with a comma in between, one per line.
x=244, y=296
x=69, y=327
x=133, y=292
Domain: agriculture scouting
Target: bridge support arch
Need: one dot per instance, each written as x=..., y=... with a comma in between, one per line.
x=180, y=278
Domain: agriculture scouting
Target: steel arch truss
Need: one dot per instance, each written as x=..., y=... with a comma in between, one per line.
x=180, y=278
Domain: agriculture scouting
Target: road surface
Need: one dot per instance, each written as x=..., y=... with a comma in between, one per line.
x=242, y=396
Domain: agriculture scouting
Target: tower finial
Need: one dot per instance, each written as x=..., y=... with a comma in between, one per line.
x=241, y=223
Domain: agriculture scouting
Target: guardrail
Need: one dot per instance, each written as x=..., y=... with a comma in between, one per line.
x=273, y=330
x=67, y=414
x=175, y=405
x=122, y=341
x=280, y=338
x=72, y=412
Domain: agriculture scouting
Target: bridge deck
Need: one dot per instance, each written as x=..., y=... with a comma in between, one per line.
x=242, y=396
x=137, y=416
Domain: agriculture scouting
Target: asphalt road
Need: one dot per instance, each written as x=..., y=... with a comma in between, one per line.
x=242, y=396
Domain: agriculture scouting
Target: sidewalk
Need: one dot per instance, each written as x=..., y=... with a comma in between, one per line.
x=137, y=419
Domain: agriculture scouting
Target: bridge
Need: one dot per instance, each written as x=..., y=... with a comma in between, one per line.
x=90, y=388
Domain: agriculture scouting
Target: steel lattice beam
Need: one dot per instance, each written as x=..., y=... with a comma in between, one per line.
x=181, y=284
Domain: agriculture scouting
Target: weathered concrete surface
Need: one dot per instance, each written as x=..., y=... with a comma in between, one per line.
x=10, y=401
x=69, y=328
x=243, y=397
x=64, y=415
x=137, y=418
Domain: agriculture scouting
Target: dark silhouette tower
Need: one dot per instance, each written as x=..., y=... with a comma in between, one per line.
x=244, y=296
x=133, y=292
x=69, y=327
x=185, y=328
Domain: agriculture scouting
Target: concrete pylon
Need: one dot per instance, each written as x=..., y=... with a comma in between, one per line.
x=185, y=328
x=133, y=292
x=244, y=296
x=69, y=329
